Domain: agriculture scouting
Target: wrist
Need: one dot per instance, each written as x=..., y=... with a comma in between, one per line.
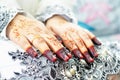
x=56, y=20
x=16, y=22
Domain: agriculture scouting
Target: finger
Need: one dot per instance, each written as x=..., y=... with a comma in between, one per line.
x=93, y=38
x=69, y=43
x=56, y=46
x=57, y=36
x=22, y=42
x=88, y=43
x=60, y=40
x=80, y=44
x=68, y=53
x=40, y=44
x=31, y=52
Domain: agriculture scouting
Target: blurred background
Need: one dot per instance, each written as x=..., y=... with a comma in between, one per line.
x=102, y=17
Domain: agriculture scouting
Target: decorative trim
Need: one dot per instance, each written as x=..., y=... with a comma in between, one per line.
x=53, y=10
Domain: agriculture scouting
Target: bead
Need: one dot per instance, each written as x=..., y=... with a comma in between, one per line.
x=74, y=67
x=83, y=62
x=72, y=71
x=68, y=74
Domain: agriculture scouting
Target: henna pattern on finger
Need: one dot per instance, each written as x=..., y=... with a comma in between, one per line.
x=50, y=55
x=68, y=53
x=70, y=44
x=58, y=38
x=77, y=53
x=96, y=41
x=92, y=51
x=31, y=52
x=88, y=58
x=67, y=40
x=61, y=54
x=54, y=41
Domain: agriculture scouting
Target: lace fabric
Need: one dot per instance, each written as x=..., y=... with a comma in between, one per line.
x=107, y=63
x=41, y=68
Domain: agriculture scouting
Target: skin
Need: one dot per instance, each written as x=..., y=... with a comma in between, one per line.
x=78, y=40
x=113, y=77
x=29, y=33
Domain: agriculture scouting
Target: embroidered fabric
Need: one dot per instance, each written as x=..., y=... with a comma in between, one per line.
x=6, y=15
x=41, y=68
x=107, y=63
x=56, y=9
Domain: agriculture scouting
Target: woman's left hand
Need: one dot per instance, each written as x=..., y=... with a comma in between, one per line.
x=78, y=40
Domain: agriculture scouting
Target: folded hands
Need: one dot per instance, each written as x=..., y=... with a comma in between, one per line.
x=58, y=38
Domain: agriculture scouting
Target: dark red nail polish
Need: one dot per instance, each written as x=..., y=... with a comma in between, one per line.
x=50, y=55
x=88, y=58
x=93, y=52
x=58, y=38
x=77, y=53
x=68, y=53
x=96, y=41
x=32, y=52
x=61, y=54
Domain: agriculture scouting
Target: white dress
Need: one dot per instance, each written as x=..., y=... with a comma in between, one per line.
x=42, y=10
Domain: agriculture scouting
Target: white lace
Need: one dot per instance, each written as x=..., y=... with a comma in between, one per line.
x=56, y=9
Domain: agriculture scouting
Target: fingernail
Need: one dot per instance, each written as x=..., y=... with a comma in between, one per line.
x=68, y=53
x=96, y=41
x=50, y=55
x=77, y=53
x=93, y=52
x=88, y=58
x=32, y=52
x=58, y=38
x=61, y=53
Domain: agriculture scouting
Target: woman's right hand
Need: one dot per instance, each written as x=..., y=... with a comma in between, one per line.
x=79, y=41
x=29, y=33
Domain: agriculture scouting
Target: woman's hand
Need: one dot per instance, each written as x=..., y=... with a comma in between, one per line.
x=78, y=40
x=29, y=33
